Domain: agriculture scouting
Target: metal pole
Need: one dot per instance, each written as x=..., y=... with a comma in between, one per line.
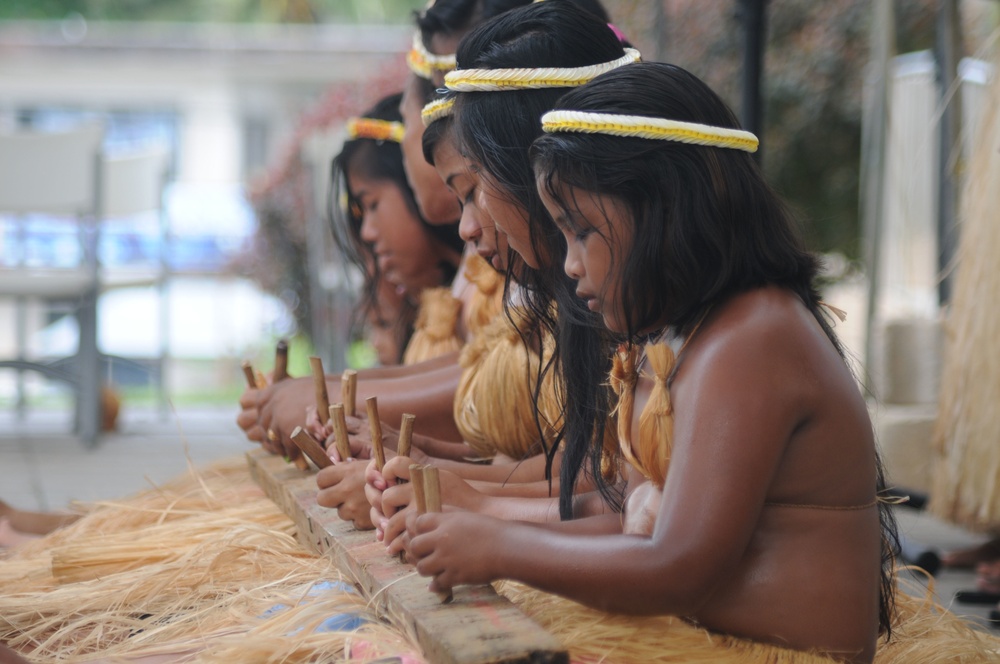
x=873, y=145
x=754, y=16
x=947, y=51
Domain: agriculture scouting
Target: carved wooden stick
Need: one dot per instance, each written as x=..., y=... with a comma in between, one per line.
x=319, y=385
x=249, y=374
x=280, y=361
x=405, y=434
x=349, y=391
x=417, y=480
x=375, y=426
x=310, y=447
x=432, y=499
x=340, y=431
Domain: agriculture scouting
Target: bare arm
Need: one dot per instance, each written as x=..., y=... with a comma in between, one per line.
x=736, y=405
x=281, y=407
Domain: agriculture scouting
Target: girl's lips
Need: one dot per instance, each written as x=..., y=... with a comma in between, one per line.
x=591, y=300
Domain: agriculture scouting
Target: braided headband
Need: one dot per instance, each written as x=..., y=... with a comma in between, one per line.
x=645, y=127
x=377, y=130
x=424, y=64
x=437, y=109
x=492, y=80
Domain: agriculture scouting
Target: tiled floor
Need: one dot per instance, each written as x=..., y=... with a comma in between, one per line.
x=42, y=466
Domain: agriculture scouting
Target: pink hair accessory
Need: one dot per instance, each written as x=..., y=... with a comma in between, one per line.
x=618, y=33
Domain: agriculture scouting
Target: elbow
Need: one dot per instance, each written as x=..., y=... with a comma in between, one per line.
x=678, y=585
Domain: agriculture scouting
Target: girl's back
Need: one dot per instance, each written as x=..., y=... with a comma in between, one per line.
x=769, y=417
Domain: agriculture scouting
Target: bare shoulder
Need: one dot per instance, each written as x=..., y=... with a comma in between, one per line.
x=769, y=332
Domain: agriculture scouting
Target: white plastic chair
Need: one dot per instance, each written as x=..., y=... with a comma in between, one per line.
x=59, y=173
x=134, y=184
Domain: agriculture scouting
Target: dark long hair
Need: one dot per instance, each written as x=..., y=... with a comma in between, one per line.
x=377, y=160
x=711, y=227
x=496, y=130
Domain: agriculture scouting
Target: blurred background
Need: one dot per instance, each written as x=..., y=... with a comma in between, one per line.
x=244, y=101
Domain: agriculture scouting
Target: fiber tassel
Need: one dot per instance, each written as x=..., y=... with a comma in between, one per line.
x=623, y=379
x=436, y=330
x=494, y=402
x=486, y=302
x=656, y=424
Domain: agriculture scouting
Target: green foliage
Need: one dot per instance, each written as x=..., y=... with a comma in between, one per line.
x=232, y=11
x=814, y=68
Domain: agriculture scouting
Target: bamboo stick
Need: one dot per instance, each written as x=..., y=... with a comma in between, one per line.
x=319, y=385
x=280, y=361
x=310, y=447
x=375, y=426
x=248, y=373
x=417, y=479
x=340, y=431
x=405, y=435
x=349, y=391
x=432, y=500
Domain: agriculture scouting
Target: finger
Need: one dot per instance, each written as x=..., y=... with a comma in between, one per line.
x=395, y=532
x=374, y=497
x=374, y=478
x=396, y=498
x=397, y=468
x=248, y=400
x=439, y=584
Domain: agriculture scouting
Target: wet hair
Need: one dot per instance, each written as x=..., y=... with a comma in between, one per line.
x=495, y=129
x=376, y=160
x=458, y=17
x=710, y=226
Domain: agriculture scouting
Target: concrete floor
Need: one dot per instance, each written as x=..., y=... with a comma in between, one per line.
x=43, y=467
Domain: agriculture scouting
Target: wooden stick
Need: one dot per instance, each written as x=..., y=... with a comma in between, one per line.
x=301, y=463
x=417, y=480
x=349, y=391
x=375, y=426
x=432, y=500
x=432, y=489
x=280, y=361
x=405, y=434
x=340, y=431
x=319, y=385
x=310, y=447
x=249, y=374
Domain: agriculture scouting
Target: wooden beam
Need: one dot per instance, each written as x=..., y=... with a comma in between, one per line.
x=477, y=627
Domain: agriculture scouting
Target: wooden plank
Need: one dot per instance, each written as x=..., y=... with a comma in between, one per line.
x=477, y=627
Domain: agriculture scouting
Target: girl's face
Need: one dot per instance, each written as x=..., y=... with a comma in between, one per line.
x=436, y=204
x=511, y=220
x=476, y=227
x=407, y=256
x=597, y=233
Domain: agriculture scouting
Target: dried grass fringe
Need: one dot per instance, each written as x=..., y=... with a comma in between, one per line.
x=656, y=422
x=486, y=302
x=436, y=330
x=923, y=633
x=494, y=402
x=191, y=566
x=966, y=477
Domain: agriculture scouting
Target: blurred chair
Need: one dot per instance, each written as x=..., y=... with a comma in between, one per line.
x=59, y=174
x=134, y=184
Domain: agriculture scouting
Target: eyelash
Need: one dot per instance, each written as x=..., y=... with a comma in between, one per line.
x=468, y=199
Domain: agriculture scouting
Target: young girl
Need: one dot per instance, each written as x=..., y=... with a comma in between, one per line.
x=376, y=222
x=767, y=525
x=482, y=152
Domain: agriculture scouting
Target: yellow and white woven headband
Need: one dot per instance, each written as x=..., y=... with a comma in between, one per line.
x=645, y=127
x=437, y=109
x=425, y=64
x=493, y=80
x=377, y=130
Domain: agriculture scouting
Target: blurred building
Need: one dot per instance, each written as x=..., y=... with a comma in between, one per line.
x=223, y=100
